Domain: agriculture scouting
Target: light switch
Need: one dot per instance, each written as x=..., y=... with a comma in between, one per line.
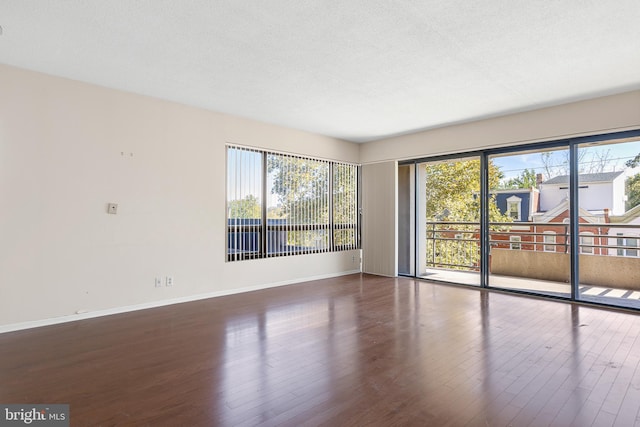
x=112, y=208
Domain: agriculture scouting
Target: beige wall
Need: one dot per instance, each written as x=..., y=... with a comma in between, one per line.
x=601, y=115
x=604, y=271
x=531, y=264
x=610, y=271
x=65, y=153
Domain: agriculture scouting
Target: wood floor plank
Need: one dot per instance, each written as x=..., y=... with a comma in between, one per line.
x=348, y=351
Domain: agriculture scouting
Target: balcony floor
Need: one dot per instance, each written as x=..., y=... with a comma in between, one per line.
x=588, y=293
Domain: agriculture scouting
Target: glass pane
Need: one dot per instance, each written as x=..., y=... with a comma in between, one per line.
x=345, y=205
x=529, y=221
x=244, y=203
x=406, y=220
x=297, y=205
x=449, y=208
x=609, y=200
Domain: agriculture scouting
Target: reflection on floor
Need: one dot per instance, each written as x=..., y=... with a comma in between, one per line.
x=598, y=294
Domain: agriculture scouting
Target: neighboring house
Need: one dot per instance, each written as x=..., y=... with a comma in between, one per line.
x=597, y=191
x=625, y=239
x=605, y=229
x=548, y=210
x=518, y=203
x=554, y=227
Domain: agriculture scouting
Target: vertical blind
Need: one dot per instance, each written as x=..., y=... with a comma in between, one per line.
x=282, y=204
x=345, y=206
x=244, y=203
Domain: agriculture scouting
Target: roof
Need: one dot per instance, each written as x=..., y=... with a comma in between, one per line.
x=585, y=177
x=627, y=217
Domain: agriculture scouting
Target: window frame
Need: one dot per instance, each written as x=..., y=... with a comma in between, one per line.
x=515, y=243
x=236, y=230
x=587, y=248
x=632, y=250
x=517, y=202
x=546, y=244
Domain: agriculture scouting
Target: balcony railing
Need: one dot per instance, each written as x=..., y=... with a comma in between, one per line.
x=250, y=239
x=456, y=245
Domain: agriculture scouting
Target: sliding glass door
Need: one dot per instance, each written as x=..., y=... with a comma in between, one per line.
x=448, y=220
x=560, y=218
x=609, y=228
x=529, y=221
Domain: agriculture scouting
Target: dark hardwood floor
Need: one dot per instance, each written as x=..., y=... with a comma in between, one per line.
x=354, y=351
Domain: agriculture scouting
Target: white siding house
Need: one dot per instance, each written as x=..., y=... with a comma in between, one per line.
x=597, y=191
x=625, y=239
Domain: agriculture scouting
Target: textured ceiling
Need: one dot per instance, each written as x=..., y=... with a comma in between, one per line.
x=357, y=69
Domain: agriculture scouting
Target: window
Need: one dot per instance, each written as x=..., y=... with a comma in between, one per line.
x=345, y=206
x=515, y=242
x=514, y=203
x=586, y=242
x=633, y=244
x=620, y=242
x=630, y=243
x=281, y=204
x=549, y=241
x=244, y=204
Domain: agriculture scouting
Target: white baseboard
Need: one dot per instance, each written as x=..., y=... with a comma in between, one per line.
x=124, y=309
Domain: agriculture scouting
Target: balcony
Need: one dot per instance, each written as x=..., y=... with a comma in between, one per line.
x=535, y=257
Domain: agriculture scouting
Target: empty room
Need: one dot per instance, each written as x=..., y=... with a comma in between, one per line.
x=359, y=213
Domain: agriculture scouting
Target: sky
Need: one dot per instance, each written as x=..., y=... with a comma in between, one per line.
x=616, y=155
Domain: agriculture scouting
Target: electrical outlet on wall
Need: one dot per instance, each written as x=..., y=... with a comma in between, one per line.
x=169, y=281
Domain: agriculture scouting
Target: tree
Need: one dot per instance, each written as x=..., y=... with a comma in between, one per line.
x=247, y=208
x=633, y=191
x=590, y=160
x=600, y=161
x=527, y=179
x=345, y=204
x=301, y=186
x=635, y=162
x=453, y=191
x=452, y=200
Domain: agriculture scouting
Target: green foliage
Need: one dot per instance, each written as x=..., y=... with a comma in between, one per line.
x=633, y=191
x=527, y=179
x=345, y=196
x=634, y=162
x=453, y=195
x=302, y=189
x=453, y=191
x=247, y=208
x=633, y=184
x=302, y=186
x=345, y=203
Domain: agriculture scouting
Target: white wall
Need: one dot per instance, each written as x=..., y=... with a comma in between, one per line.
x=68, y=148
x=619, y=195
x=552, y=195
x=595, y=197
